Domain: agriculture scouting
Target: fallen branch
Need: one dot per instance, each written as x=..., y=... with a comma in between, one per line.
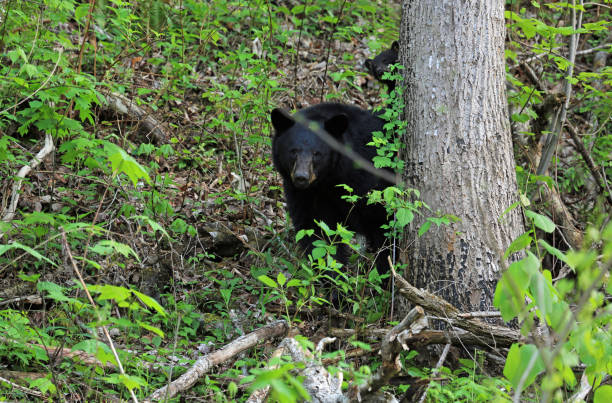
x=492, y=334
x=64, y=352
x=34, y=299
x=205, y=363
x=121, y=104
x=567, y=227
x=393, y=344
x=22, y=388
x=23, y=172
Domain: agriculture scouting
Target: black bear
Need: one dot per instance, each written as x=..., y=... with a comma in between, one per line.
x=380, y=64
x=311, y=171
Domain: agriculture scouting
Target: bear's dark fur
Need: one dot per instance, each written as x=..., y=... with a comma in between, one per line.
x=380, y=64
x=311, y=169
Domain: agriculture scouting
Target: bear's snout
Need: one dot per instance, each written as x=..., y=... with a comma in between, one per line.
x=302, y=174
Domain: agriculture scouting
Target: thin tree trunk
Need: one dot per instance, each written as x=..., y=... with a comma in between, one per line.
x=458, y=146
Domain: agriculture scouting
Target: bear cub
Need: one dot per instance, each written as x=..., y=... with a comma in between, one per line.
x=380, y=65
x=311, y=169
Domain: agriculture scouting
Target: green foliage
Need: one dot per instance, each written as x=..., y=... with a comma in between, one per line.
x=526, y=291
x=389, y=142
x=467, y=384
x=284, y=386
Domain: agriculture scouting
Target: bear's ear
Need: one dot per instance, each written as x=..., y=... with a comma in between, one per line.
x=395, y=46
x=281, y=120
x=337, y=125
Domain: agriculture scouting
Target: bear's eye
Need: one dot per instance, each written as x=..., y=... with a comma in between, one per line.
x=293, y=152
x=317, y=154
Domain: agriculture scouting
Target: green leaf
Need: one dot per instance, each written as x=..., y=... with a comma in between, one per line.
x=294, y=283
x=150, y=302
x=603, y=394
x=508, y=300
x=81, y=11
x=53, y=290
x=267, y=281
x=108, y=247
x=122, y=162
x=520, y=243
x=328, y=231
x=281, y=279
x=553, y=251
x=318, y=253
x=132, y=381
x=302, y=233
x=424, y=228
x=403, y=217
x=541, y=221
x=17, y=245
x=150, y=328
x=112, y=292
x=512, y=287
x=540, y=289
x=155, y=226
x=519, y=359
x=43, y=384
x=509, y=209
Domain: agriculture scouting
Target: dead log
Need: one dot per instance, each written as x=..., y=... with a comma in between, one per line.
x=204, y=364
x=125, y=106
x=493, y=335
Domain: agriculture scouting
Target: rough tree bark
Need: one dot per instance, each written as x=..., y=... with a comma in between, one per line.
x=458, y=146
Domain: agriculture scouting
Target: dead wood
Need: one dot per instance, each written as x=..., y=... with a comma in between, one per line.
x=22, y=388
x=205, y=363
x=586, y=156
x=494, y=335
x=48, y=147
x=567, y=227
x=58, y=353
x=125, y=106
x=392, y=345
x=33, y=299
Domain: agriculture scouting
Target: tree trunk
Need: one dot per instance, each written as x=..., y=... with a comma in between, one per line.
x=458, y=146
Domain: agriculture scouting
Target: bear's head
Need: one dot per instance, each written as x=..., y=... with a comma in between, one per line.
x=380, y=64
x=299, y=152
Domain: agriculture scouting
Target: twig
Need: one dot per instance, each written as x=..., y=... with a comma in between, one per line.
x=205, y=363
x=603, y=185
x=582, y=393
x=578, y=53
x=93, y=304
x=323, y=342
x=22, y=388
x=482, y=314
x=61, y=352
x=59, y=57
x=435, y=371
x=23, y=172
x=34, y=299
x=553, y=136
